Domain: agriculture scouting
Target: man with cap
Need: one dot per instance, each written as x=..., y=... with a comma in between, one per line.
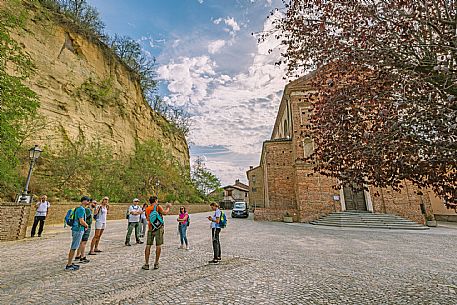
x=77, y=232
x=134, y=215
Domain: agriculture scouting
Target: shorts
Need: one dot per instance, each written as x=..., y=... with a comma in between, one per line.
x=76, y=237
x=86, y=235
x=158, y=235
x=100, y=225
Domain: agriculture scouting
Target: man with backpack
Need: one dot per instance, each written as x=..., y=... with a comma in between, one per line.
x=78, y=227
x=134, y=214
x=154, y=215
x=80, y=254
x=218, y=221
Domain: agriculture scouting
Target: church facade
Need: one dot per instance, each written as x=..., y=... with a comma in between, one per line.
x=284, y=184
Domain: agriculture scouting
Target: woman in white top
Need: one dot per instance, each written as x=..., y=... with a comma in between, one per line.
x=100, y=224
x=42, y=208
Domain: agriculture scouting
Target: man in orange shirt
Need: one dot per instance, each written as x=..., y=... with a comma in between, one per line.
x=156, y=234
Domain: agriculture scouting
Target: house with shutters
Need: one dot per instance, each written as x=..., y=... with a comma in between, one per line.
x=285, y=182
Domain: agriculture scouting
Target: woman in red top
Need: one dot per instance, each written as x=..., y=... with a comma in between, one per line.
x=183, y=220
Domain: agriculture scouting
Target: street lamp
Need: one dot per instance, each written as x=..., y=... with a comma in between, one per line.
x=34, y=154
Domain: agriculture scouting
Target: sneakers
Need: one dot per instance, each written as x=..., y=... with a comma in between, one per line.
x=145, y=267
x=84, y=260
x=71, y=268
x=214, y=262
x=139, y=242
x=156, y=266
x=181, y=247
x=187, y=248
x=128, y=244
x=77, y=257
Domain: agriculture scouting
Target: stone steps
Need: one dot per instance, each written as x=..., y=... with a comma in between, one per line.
x=367, y=220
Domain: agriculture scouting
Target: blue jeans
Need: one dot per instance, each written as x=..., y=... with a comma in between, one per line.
x=183, y=233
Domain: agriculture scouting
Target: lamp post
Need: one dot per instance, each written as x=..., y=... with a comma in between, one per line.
x=34, y=154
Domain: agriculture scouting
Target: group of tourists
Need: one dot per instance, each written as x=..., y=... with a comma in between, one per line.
x=149, y=215
x=80, y=219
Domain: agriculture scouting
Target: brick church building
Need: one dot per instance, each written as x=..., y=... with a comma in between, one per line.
x=282, y=182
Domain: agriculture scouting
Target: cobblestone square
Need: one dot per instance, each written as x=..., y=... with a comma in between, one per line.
x=263, y=263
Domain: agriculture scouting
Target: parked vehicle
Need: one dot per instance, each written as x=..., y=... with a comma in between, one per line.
x=240, y=209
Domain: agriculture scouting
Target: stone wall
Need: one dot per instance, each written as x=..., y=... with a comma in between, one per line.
x=405, y=203
x=13, y=220
x=58, y=211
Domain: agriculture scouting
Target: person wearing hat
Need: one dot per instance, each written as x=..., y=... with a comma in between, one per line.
x=134, y=215
x=77, y=231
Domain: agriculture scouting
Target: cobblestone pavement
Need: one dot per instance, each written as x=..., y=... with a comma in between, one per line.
x=263, y=263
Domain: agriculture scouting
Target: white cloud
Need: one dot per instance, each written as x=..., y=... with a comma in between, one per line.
x=231, y=22
x=200, y=1
x=236, y=111
x=215, y=46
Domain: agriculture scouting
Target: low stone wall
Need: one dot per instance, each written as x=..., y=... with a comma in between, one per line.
x=13, y=220
x=57, y=211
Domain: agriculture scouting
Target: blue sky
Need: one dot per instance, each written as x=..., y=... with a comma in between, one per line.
x=209, y=63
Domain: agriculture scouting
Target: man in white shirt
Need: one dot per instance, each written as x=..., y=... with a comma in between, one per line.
x=134, y=216
x=42, y=209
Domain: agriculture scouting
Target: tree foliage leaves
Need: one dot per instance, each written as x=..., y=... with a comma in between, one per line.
x=386, y=108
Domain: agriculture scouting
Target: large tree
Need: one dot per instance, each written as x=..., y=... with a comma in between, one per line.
x=386, y=105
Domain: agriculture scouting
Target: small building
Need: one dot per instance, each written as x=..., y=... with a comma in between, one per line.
x=256, y=190
x=285, y=181
x=236, y=192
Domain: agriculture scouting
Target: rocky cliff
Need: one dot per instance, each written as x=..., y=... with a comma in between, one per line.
x=85, y=91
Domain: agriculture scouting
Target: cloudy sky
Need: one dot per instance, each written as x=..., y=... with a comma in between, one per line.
x=210, y=64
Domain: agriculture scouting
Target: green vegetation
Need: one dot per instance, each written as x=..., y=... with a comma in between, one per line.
x=90, y=168
x=204, y=180
x=17, y=101
x=80, y=167
x=101, y=93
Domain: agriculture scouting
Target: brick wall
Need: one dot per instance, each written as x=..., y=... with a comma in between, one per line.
x=314, y=194
x=405, y=203
x=280, y=175
x=13, y=220
x=117, y=211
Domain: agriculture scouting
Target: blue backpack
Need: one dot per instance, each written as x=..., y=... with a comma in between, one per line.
x=155, y=219
x=223, y=220
x=70, y=217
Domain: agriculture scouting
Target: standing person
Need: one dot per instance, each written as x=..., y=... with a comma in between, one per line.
x=77, y=232
x=81, y=253
x=134, y=222
x=183, y=218
x=143, y=220
x=42, y=209
x=100, y=213
x=215, y=231
x=154, y=234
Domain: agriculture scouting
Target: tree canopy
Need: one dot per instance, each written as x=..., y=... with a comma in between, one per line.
x=386, y=107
